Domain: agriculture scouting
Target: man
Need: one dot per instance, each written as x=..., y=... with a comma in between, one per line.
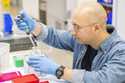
x=99, y=53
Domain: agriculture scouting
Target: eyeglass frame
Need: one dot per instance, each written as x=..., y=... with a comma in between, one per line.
x=80, y=27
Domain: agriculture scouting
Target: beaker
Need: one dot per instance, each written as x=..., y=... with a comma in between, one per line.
x=18, y=61
x=4, y=56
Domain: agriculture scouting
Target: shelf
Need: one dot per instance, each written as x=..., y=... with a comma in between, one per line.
x=42, y=7
x=109, y=25
x=107, y=5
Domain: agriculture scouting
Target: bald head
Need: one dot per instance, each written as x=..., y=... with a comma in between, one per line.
x=89, y=13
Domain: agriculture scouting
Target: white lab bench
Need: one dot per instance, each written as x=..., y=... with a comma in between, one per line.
x=25, y=70
x=55, y=55
x=59, y=56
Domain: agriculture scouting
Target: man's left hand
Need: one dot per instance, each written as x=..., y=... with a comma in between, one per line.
x=42, y=64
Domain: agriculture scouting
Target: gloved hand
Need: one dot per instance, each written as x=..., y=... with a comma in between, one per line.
x=42, y=64
x=25, y=22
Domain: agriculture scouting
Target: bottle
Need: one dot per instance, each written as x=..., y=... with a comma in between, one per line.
x=109, y=16
x=8, y=24
x=6, y=4
x=19, y=62
x=100, y=1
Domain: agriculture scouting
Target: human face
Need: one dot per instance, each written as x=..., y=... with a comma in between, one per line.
x=84, y=34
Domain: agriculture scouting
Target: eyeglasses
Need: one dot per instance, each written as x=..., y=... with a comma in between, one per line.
x=77, y=27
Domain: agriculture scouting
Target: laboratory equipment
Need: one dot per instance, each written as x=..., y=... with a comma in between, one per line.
x=6, y=4
x=25, y=22
x=27, y=30
x=108, y=1
x=30, y=78
x=18, y=43
x=108, y=5
x=4, y=56
x=21, y=19
x=9, y=76
x=31, y=37
x=109, y=16
x=17, y=77
x=8, y=24
x=35, y=49
x=44, y=82
x=18, y=61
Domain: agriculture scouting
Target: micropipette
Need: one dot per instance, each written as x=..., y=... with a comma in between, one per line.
x=35, y=50
x=33, y=40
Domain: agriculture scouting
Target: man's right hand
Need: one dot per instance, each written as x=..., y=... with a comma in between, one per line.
x=25, y=22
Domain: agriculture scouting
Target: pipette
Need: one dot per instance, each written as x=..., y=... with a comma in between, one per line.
x=21, y=18
x=33, y=40
x=35, y=50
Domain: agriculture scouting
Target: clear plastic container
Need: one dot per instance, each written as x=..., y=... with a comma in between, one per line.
x=4, y=56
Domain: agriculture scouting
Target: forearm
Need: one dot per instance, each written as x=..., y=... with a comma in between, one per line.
x=57, y=38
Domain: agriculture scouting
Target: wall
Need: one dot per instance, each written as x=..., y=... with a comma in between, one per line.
x=32, y=7
x=56, y=13
x=119, y=15
x=86, y=0
x=71, y=4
